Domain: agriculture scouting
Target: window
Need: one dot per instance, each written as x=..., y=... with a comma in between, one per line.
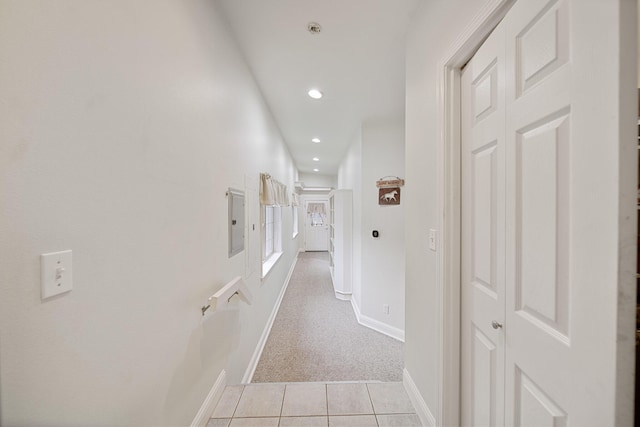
x=316, y=219
x=273, y=195
x=267, y=249
x=295, y=221
x=271, y=237
x=317, y=214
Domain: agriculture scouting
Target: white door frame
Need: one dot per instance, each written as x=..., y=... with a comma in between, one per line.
x=449, y=193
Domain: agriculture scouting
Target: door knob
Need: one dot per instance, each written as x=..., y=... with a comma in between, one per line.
x=496, y=325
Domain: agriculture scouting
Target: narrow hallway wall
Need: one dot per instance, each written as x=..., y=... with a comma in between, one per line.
x=378, y=264
x=350, y=177
x=122, y=126
x=443, y=21
x=383, y=257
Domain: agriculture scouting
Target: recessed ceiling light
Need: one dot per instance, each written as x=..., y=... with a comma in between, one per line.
x=316, y=170
x=316, y=140
x=315, y=94
x=315, y=159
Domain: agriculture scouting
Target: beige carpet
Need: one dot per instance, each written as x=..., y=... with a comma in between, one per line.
x=316, y=337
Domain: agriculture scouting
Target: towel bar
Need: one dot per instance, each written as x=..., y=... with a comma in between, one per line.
x=228, y=291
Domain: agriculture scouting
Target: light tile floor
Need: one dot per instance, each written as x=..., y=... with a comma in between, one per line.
x=315, y=405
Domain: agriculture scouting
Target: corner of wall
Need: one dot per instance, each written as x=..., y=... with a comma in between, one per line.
x=209, y=405
x=376, y=325
x=423, y=411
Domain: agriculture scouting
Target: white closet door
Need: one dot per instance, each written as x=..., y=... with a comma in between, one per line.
x=538, y=261
x=551, y=357
x=483, y=240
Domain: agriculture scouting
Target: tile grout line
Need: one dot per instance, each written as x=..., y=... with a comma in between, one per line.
x=375, y=415
x=284, y=393
x=326, y=394
x=237, y=404
x=282, y=405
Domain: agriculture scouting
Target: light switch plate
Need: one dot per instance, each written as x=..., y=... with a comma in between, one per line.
x=432, y=239
x=56, y=274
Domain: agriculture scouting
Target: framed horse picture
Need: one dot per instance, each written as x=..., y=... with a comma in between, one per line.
x=389, y=196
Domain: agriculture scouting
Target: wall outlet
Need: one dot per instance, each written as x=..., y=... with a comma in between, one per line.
x=385, y=308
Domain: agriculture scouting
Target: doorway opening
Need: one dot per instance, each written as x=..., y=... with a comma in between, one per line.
x=316, y=225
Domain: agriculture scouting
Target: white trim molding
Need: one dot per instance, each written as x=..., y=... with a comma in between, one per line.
x=448, y=270
x=425, y=415
x=209, y=405
x=255, y=358
x=376, y=325
x=342, y=296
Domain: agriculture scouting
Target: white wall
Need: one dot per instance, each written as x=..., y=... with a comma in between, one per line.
x=121, y=126
x=442, y=21
x=382, y=258
x=318, y=180
x=378, y=270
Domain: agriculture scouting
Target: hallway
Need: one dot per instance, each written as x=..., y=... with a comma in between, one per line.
x=126, y=126
x=316, y=337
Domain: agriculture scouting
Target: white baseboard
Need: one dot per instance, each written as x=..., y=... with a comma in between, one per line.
x=426, y=416
x=343, y=297
x=255, y=358
x=210, y=402
x=376, y=325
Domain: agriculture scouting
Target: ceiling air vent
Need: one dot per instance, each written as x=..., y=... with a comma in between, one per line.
x=314, y=28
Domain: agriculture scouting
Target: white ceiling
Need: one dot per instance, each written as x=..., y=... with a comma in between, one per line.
x=357, y=61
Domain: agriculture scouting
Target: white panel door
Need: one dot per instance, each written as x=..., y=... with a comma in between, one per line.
x=551, y=360
x=549, y=376
x=316, y=225
x=483, y=244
